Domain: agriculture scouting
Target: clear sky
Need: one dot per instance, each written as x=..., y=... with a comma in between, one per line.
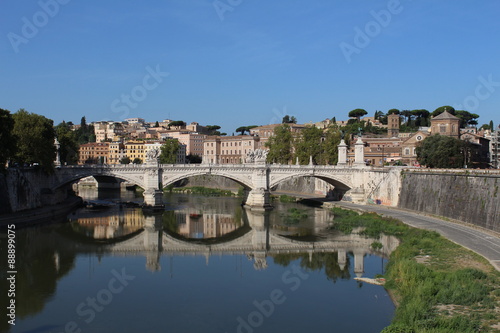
x=240, y=62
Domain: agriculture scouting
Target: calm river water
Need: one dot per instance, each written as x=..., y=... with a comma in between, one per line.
x=204, y=265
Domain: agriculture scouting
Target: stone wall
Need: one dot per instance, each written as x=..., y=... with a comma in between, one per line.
x=383, y=186
x=470, y=196
x=22, y=190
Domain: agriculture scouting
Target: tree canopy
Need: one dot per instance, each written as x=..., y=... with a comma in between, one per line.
x=309, y=143
x=169, y=151
x=69, y=145
x=35, y=139
x=177, y=123
x=243, y=129
x=280, y=145
x=289, y=120
x=439, y=151
x=439, y=110
x=7, y=138
x=357, y=113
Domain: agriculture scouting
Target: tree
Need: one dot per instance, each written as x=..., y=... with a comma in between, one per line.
x=214, y=130
x=378, y=115
x=289, y=120
x=7, y=138
x=357, y=113
x=309, y=143
x=439, y=151
x=393, y=111
x=125, y=160
x=439, y=110
x=69, y=146
x=137, y=160
x=169, y=151
x=280, y=145
x=193, y=159
x=243, y=129
x=157, y=124
x=466, y=118
x=422, y=117
x=330, y=153
x=35, y=139
x=177, y=123
x=407, y=114
x=85, y=133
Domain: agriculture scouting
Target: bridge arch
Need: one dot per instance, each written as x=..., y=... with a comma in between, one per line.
x=67, y=178
x=338, y=182
x=171, y=179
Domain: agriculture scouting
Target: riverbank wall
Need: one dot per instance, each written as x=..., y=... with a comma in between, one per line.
x=25, y=189
x=471, y=196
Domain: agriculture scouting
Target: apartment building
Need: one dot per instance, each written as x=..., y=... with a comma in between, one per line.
x=93, y=153
x=229, y=149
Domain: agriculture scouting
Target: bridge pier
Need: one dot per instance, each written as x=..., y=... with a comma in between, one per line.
x=153, y=191
x=153, y=198
x=259, y=199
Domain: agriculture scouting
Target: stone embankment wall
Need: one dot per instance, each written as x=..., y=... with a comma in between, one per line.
x=22, y=190
x=383, y=186
x=471, y=196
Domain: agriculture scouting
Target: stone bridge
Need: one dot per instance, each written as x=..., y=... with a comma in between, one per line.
x=357, y=183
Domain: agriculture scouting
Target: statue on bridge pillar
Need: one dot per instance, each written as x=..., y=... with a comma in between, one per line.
x=153, y=156
x=342, y=161
x=257, y=156
x=359, y=152
x=57, y=161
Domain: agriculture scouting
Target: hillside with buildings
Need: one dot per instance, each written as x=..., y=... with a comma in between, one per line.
x=386, y=141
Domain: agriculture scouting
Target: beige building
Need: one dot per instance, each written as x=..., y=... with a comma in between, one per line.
x=116, y=152
x=393, y=122
x=229, y=149
x=192, y=141
x=446, y=124
x=108, y=131
x=377, y=151
x=409, y=147
x=93, y=153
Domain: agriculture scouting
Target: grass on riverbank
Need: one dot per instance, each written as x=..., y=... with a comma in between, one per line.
x=204, y=191
x=439, y=286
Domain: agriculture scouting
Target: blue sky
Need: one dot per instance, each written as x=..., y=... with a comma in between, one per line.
x=242, y=62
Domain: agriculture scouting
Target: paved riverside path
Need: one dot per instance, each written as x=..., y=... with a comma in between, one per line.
x=484, y=243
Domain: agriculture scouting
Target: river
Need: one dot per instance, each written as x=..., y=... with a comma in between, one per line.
x=205, y=264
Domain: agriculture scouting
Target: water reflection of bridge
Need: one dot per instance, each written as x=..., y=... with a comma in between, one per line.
x=255, y=239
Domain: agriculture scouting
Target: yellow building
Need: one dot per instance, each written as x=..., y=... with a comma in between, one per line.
x=135, y=149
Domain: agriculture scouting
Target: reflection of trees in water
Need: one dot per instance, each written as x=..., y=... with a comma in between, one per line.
x=39, y=266
x=317, y=261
